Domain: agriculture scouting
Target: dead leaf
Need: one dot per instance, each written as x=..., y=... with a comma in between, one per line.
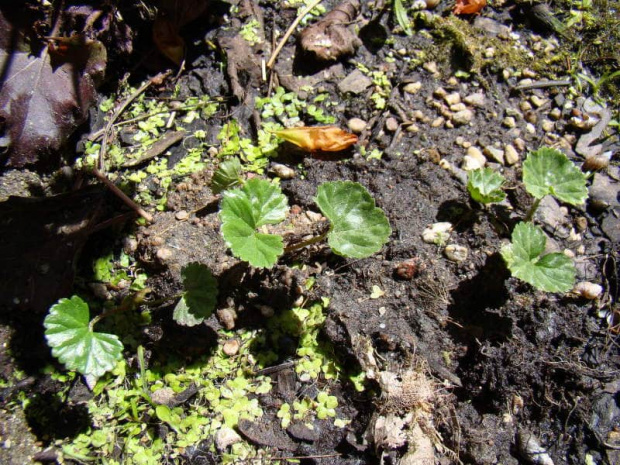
x=43, y=100
x=329, y=39
x=468, y=7
x=167, y=39
x=319, y=138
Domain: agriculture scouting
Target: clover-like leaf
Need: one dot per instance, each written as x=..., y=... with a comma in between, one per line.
x=553, y=272
x=228, y=175
x=75, y=344
x=243, y=210
x=549, y=171
x=484, y=186
x=199, y=296
x=358, y=228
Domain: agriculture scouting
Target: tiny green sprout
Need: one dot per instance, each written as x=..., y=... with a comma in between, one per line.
x=227, y=176
x=548, y=171
x=285, y=415
x=401, y=16
x=326, y=405
x=69, y=332
x=484, y=186
x=552, y=272
x=199, y=296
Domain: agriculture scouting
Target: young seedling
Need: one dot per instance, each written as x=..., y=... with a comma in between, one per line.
x=548, y=171
x=545, y=172
x=358, y=228
x=70, y=333
x=199, y=296
x=485, y=186
x=552, y=272
x=227, y=175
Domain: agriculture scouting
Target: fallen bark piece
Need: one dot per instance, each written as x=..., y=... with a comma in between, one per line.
x=330, y=39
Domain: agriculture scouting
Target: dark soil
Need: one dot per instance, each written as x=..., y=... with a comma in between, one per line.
x=515, y=375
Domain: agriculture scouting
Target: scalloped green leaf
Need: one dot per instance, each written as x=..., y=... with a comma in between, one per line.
x=484, y=186
x=199, y=297
x=549, y=171
x=358, y=228
x=553, y=272
x=75, y=344
x=228, y=175
x=243, y=210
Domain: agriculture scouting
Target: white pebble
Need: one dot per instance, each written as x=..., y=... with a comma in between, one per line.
x=437, y=233
x=456, y=253
x=588, y=290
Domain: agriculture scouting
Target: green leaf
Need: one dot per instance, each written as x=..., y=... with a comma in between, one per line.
x=358, y=228
x=484, y=186
x=401, y=17
x=199, y=297
x=549, y=171
x=75, y=344
x=228, y=175
x=243, y=210
x=553, y=272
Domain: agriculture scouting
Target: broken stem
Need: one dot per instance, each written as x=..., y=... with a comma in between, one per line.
x=119, y=193
x=307, y=242
x=289, y=31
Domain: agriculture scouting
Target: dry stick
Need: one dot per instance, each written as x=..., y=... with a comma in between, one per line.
x=289, y=31
x=130, y=203
x=118, y=112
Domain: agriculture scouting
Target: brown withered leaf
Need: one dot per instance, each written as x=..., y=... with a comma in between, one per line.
x=319, y=138
x=330, y=39
x=44, y=96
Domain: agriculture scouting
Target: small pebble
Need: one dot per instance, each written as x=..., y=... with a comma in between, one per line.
x=531, y=117
x=164, y=254
x=476, y=153
x=181, y=215
x=163, y=396
x=430, y=66
x=412, y=128
x=581, y=222
x=407, y=269
x=462, y=117
x=437, y=122
x=282, y=171
x=547, y=125
x=519, y=144
x=511, y=155
x=528, y=73
x=412, y=87
x=227, y=317
x=452, y=99
x=475, y=100
x=456, y=253
x=530, y=128
x=437, y=233
x=470, y=163
x=509, y=122
x=231, y=347
x=588, y=290
x=525, y=105
x=226, y=437
x=440, y=92
x=537, y=101
x=494, y=154
x=391, y=124
x=555, y=114
x=356, y=125
x=458, y=107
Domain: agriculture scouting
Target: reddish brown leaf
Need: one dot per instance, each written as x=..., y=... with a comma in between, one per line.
x=42, y=100
x=319, y=138
x=467, y=7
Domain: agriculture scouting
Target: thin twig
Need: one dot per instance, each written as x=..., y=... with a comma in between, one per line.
x=289, y=31
x=119, y=111
x=130, y=203
x=301, y=457
x=542, y=84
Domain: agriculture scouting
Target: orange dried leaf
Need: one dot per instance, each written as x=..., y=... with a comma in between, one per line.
x=468, y=7
x=319, y=138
